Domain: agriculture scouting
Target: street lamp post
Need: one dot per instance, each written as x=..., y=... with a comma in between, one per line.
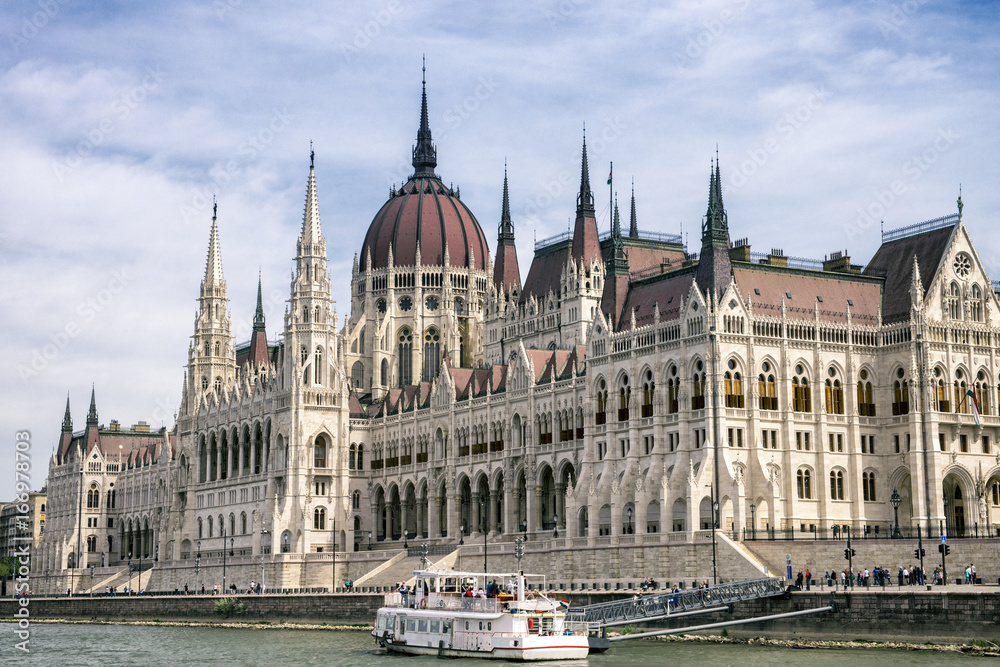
x=628, y=512
x=944, y=531
x=518, y=551
x=197, y=565
x=333, y=559
x=223, y=559
x=406, y=537
x=231, y=554
x=524, y=528
x=130, y=573
x=484, y=508
x=369, y=540
x=91, y=580
x=753, y=521
x=715, y=514
x=555, y=529
x=895, y=500
x=263, y=532
x=461, y=534
x=424, y=551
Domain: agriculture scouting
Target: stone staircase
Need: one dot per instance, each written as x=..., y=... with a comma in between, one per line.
x=400, y=568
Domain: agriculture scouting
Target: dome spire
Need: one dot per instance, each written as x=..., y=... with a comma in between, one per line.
x=312, y=232
x=633, y=225
x=67, y=425
x=213, y=265
x=585, y=200
x=258, y=318
x=92, y=414
x=424, y=153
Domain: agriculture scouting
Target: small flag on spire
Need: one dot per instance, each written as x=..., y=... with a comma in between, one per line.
x=611, y=174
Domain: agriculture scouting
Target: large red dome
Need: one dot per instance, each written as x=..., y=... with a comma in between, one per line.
x=424, y=210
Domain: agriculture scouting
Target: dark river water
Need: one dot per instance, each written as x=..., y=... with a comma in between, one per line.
x=114, y=645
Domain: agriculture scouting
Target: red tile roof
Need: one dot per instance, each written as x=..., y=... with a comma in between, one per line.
x=894, y=261
x=806, y=288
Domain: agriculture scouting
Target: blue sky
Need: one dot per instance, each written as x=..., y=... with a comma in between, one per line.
x=120, y=120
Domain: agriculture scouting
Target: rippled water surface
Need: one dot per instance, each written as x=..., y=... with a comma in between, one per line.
x=114, y=645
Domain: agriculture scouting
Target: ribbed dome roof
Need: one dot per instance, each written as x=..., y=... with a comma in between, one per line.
x=427, y=212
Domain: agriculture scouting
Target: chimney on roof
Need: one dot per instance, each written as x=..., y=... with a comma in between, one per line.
x=114, y=426
x=740, y=252
x=777, y=257
x=141, y=427
x=840, y=262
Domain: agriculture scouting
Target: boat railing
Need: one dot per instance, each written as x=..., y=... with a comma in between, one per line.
x=445, y=602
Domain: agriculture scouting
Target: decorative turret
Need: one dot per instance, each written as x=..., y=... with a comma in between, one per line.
x=67, y=425
x=424, y=152
x=506, y=274
x=616, y=280
x=586, y=245
x=257, y=356
x=633, y=225
x=92, y=413
x=715, y=270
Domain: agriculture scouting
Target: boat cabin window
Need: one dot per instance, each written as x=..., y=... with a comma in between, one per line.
x=422, y=625
x=411, y=625
x=435, y=627
x=489, y=625
x=466, y=625
x=446, y=627
x=450, y=585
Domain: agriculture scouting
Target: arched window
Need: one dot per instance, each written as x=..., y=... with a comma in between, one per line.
x=900, y=394
x=698, y=386
x=384, y=374
x=405, y=358
x=317, y=318
x=318, y=366
x=804, y=482
x=319, y=453
x=982, y=391
x=733, y=384
x=209, y=527
x=353, y=457
x=868, y=486
x=837, y=485
x=624, y=398
x=93, y=497
x=647, y=393
x=943, y=404
x=92, y=543
x=601, y=416
x=955, y=302
x=358, y=375
x=286, y=542
x=834, y=393
x=319, y=519
x=356, y=500
x=243, y=523
x=432, y=354
x=305, y=311
x=801, y=393
x=200, y=528
x=961, y=399
x=218, y=385
x=208, y=348
x=766, y=389
x=976, y=306
x=204, y=383
x=218, y=349
x=673, y=389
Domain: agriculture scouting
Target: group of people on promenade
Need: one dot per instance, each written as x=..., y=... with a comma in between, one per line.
x=881, y=576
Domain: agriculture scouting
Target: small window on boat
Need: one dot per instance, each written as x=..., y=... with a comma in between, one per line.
x=435, y=627
x=466, y=625
x=422, y=625
x=480, y=625
x=489, y=625
x=446, y=627
x=411, y=625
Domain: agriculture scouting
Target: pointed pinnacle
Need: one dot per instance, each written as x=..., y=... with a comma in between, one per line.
x=633, y=225
x=92, y=414
x=258, y=318
x=213, y=263
x=67, y=425
x=312, y=231
x=506, y=226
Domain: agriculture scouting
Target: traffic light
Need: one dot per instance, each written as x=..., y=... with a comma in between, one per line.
x=947, y=550
x=853, y=553
x=923, y=552
x=847, y=554
x=916, y=553
x=940, y=548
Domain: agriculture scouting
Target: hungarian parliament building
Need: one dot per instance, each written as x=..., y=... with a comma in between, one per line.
x=620, y=390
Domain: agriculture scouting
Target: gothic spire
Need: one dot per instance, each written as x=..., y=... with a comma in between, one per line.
x=633, y=226
x=213, y=265
x=258, y=318
x=92, y=415
x=714, y=265
x=424, y=153
x=617, y=245
x=616, y=281
x=67, y=425
x=506, y=226
x=585, y=200
x=312, y=231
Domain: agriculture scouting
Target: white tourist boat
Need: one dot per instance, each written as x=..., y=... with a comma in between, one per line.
x=436, y=618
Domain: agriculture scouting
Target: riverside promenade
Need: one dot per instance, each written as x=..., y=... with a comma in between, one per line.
x=944, y=615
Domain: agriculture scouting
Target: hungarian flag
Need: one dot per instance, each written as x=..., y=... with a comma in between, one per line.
x=610, y=175
x=975, y=405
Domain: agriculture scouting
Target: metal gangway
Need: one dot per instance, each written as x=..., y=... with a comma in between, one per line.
x=658, y=606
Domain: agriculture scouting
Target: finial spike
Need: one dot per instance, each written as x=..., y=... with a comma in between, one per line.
x=312, y=155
